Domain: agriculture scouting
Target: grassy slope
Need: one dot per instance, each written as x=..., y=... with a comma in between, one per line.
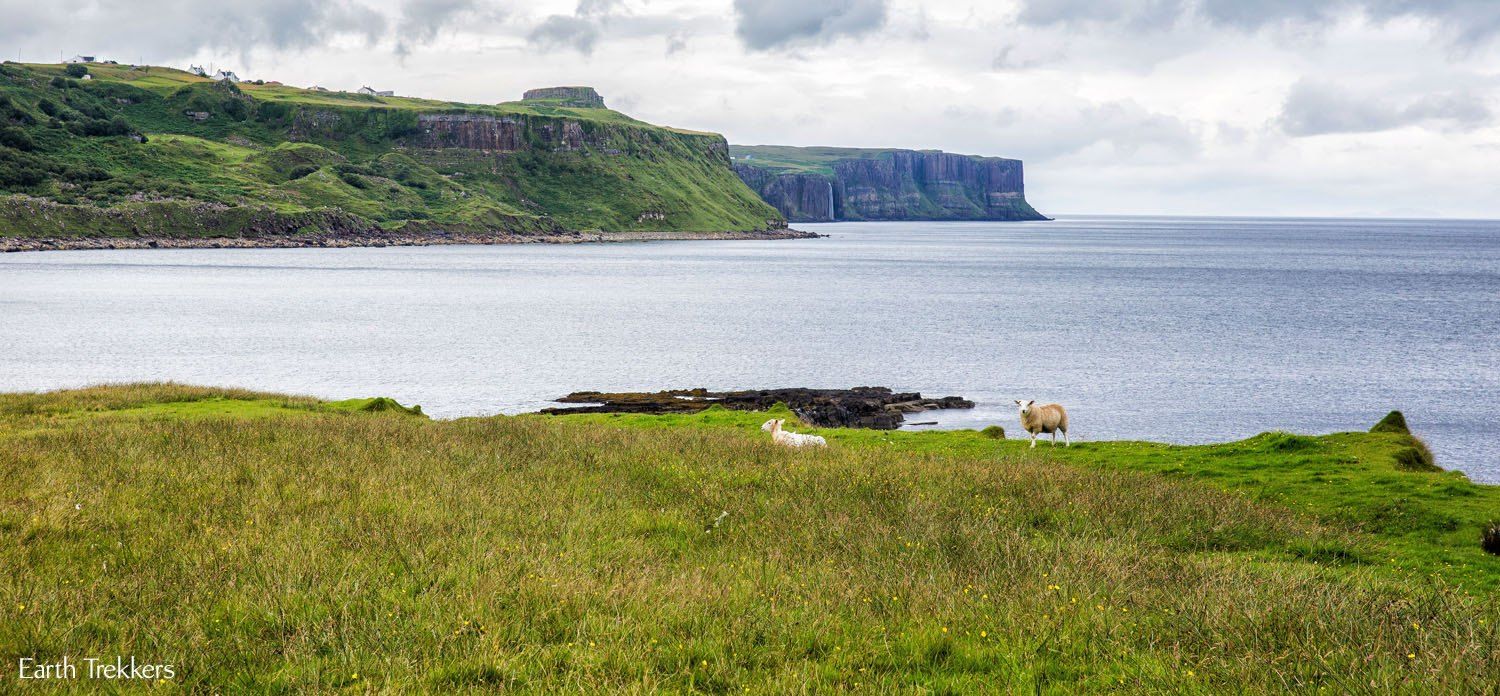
x=275, y=543
x=242, y=156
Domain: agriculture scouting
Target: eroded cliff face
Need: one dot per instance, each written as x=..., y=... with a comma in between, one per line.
x=496, y=133
x=897, y=185
x=800, y=197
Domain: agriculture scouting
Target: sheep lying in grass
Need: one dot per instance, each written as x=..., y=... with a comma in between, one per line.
x=791, y=439
x=1044, y=419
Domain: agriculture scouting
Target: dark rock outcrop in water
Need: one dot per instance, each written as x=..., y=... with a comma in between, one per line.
x=860, y=407
x=826, y=184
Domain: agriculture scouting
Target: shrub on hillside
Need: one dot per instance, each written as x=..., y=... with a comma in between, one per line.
x=83, y=174
x=300, y=171
x=994, y=431
x=75, y=70
x=101, y=127
x=21, y=169
x=11, y=136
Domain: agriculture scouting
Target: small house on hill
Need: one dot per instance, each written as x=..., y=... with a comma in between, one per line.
x=377, y=93
x=80, y=59
x=225, y=75
x=198, y=70
x=316, y=88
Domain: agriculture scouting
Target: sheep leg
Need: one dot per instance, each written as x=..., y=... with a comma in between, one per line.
x=1054, y=438
x=1066, y=442
x=1033, y=440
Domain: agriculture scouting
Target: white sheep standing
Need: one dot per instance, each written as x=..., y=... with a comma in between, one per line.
x=790, y=439
x=1044, y=419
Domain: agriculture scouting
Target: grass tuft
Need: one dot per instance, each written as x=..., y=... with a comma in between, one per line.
x=1415, y=456
x=993, y=432
x=1393, y=422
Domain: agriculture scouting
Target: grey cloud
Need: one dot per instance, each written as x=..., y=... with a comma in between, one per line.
x=421, y=20
x=1465, y=21
x=594, y=8
x=284, y=24
x=595, y=20
x=1005, y=59
x=1316, y=109
x=1120, y=128
x=564, y=31
x=769, y=24
x=178, y=27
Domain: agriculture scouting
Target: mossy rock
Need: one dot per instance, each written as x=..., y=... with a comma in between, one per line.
x=993, y=431
x=1394, y=422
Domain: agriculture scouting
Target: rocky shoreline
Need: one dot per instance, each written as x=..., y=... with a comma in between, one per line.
x=346, y=240
x=878, y=408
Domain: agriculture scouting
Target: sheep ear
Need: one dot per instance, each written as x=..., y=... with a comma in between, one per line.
x=1031, y=402
x=1018, y=402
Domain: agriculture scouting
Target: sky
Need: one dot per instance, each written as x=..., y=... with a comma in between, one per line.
x=1177, y=107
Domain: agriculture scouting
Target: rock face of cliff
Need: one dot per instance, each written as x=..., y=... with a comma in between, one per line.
x=799, y=196
x=823, y=184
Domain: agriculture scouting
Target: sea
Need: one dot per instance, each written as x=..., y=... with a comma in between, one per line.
x=1173, y=329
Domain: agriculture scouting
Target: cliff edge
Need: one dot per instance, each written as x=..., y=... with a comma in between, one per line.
x=825, y=184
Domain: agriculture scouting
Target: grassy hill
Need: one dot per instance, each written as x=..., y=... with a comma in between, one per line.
x=279, y=544
x=138, y=151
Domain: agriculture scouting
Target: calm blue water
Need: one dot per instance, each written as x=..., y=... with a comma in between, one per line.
x=1183, y=330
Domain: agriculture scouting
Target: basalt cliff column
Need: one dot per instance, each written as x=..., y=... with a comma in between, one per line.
x=823, y=184
x=800, y=197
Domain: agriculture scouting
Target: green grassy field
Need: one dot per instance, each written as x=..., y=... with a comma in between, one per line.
x=811, y=160
x=277, y=544
x=140, y=151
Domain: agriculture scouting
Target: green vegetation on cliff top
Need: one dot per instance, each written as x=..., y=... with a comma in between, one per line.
x=151, y=150
x=812, y=160
x=264, y=543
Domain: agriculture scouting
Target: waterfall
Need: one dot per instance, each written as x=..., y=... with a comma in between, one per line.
x=830, y=201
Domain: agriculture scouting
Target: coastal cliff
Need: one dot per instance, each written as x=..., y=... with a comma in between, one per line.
x=140, y=155
x=825, y=184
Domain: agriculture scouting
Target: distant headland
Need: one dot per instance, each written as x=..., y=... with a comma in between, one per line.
x=825, y=184
x=95, y=154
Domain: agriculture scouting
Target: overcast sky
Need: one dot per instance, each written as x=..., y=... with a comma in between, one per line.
x=1269, y=107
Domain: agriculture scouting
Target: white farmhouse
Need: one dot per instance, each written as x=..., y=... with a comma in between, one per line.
x=198, y=70
x=377, y=93
x=81, y=59
x=225, y=75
